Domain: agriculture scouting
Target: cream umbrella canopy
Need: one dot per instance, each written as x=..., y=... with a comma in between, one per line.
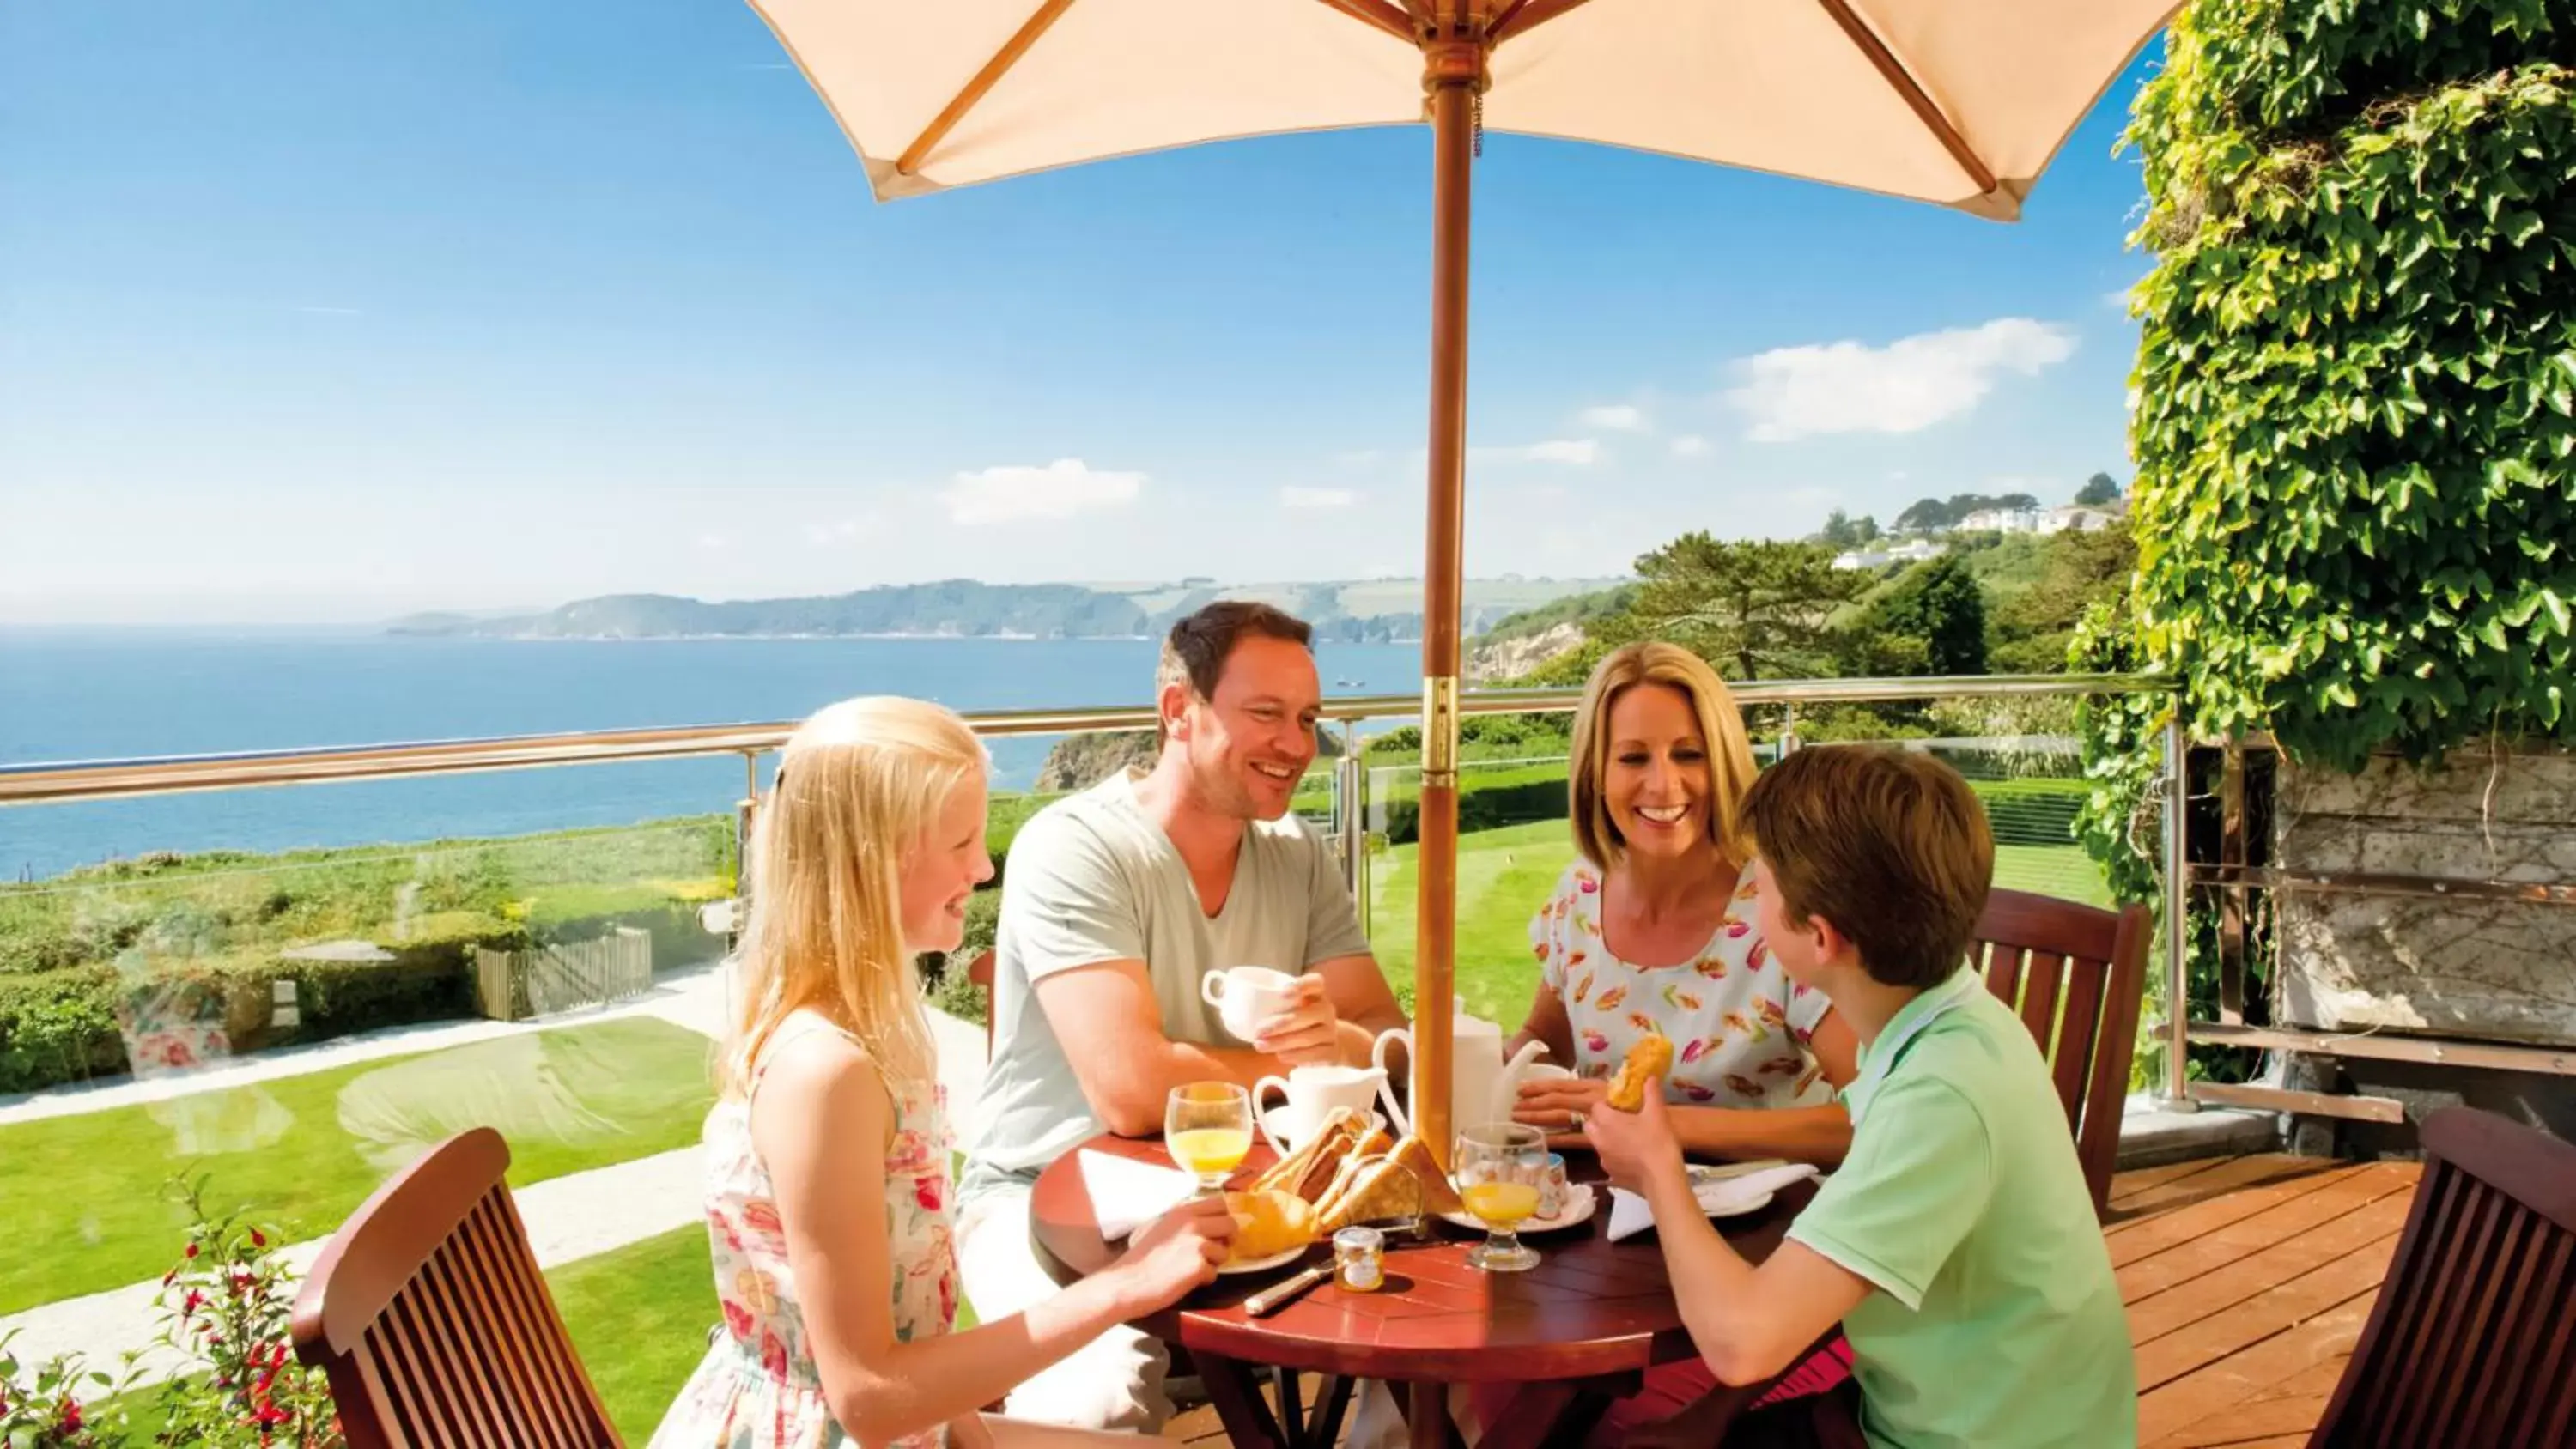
x=1961, y=103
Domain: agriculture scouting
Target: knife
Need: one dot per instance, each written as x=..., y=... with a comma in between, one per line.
x=1401, y=1234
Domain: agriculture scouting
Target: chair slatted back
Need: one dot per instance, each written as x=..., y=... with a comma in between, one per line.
x=2075, y=974
x=428, y=1314
x=980, y=971
x=2472, y=1339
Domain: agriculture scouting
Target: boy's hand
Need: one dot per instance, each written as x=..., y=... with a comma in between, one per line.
x=1636, y=1148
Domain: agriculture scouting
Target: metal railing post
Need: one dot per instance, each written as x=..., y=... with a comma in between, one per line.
x=1350, y=818
x=2177, y=906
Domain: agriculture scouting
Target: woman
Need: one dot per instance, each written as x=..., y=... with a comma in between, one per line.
x=1650, y=930
x=828, y=1149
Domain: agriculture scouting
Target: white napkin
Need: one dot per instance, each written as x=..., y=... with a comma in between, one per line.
x=1127, y=1194
x=1630, y=1216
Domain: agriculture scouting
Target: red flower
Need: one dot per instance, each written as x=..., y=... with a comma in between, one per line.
x=738, y=1321
x=257, y=1239
x=195, y=1301
x=192, y=1250
x=71, y=1416
x=926, y=1193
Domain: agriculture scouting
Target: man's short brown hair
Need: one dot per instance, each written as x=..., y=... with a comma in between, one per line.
x=1889, y=845
x=1195, y=651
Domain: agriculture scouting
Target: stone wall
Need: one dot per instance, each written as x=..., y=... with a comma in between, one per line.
x=2490, y=969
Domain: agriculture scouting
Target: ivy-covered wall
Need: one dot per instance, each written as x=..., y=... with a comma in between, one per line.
x=2354, y=409
x=2355, y=399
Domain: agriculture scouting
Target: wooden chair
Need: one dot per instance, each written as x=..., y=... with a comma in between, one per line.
x=2472, y=1340
x=2076, y=975
x=980, y=971
x=427, y=1312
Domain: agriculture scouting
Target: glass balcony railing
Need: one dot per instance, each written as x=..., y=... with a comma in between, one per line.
x=277, y=1029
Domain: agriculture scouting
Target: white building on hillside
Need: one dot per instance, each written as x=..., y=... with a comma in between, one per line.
x=2004, y=520
x=1914, y=551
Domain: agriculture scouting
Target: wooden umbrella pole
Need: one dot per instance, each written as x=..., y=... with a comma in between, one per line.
x=1453, y=74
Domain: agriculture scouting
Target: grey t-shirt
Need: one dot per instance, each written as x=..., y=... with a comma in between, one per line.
x=1093, y=879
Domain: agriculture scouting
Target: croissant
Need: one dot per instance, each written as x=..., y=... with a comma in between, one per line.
x=1647, y=1063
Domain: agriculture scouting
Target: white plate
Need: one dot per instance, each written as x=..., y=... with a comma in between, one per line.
x=1581, y=1202
x=1703, y=1173
x=1264, y=1265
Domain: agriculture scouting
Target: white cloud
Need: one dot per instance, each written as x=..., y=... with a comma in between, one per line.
x=1690, y=445
x=1615, y=417
x=1293, y=496
x=1906, y=386
x=1013, y=492
x=1574, y=452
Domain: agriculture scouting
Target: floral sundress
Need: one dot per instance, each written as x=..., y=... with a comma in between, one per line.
x=1739, y=1023
x=757, y=1387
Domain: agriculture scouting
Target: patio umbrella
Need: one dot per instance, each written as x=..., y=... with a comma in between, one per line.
x=1961, y=103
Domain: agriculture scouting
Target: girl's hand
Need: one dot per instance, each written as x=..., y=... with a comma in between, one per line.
x=1559, y=1104
x=1636, y=1148
x=1176, y=1253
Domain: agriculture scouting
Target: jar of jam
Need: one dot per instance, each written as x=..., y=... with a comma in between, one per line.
x=1359, y=1256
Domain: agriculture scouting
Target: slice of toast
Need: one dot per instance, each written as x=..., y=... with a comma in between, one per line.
x=1291, y=1172
x=1437, y=1195
x=1381, y=1190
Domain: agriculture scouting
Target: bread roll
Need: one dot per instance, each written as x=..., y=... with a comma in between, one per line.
x=1267, y=1224
x=1646, y=1065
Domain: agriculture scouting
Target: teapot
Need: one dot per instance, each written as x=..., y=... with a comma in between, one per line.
x=1483, y=1086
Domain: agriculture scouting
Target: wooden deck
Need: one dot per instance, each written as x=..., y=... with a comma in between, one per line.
x=2248, y=1280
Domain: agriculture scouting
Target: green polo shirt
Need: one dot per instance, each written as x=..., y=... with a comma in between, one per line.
x=1997, y=1323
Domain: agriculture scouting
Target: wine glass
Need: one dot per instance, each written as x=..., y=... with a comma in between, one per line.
x=1207, y=1127
x=1499, y=1165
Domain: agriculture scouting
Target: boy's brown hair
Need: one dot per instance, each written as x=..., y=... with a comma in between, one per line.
x=1889, y=845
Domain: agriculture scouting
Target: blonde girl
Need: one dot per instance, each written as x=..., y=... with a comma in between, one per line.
x=828, y=1192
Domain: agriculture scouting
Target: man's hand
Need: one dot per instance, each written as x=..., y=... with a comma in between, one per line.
x=1308, y=1032
x=1637, y=1148
x=1559, y=1104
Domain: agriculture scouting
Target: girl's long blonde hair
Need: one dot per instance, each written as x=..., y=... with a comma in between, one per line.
x=859, y=785
x=1721, y=728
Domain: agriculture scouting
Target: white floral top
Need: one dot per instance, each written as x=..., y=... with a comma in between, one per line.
x=757, y=1387
x=1738, y=1024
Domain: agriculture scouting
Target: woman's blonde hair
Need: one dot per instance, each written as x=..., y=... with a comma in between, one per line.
x=859, y=785
x=1721, y=729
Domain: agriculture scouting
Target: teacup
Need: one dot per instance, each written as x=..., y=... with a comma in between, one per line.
x=1312, y=1093
x=1247, y=996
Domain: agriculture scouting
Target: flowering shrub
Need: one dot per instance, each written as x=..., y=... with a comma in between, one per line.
x=47, y=1412
x=226, y=1308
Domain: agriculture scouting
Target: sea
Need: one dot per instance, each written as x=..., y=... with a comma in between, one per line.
x=100, y=694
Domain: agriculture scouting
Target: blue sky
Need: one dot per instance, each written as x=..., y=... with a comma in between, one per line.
x=326, y=311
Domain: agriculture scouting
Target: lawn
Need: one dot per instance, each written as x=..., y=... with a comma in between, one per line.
x=83, y=1195
x=1504, y=874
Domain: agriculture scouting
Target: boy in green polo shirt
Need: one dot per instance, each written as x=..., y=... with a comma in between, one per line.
x=1956, y=1244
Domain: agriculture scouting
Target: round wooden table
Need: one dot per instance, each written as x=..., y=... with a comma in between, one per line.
x=1580, y=1329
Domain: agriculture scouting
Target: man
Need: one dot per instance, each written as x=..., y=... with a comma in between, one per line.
x=1115, y=903
x=1956, y=1244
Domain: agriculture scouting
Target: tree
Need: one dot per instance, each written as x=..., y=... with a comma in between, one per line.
x=1755, y=609
x=2097, y=491
x=1923, y=515
x=1866, y=528
x=1840, y=531
x=1938, y=603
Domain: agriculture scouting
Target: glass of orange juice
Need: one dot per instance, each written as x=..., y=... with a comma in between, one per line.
x=1207, y=1127
x=1498, y=1167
